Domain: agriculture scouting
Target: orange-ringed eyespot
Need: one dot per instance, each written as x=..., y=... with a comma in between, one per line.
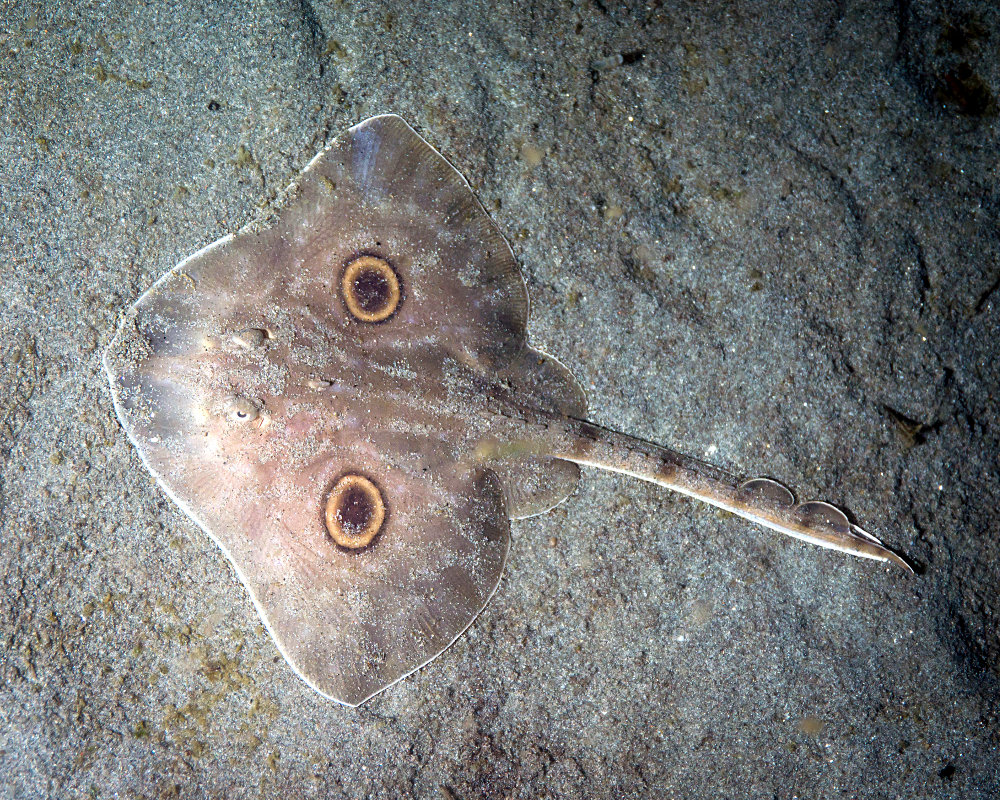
x=355, y=511
x=371, y=289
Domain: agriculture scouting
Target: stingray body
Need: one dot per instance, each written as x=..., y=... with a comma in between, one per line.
x=343, y=397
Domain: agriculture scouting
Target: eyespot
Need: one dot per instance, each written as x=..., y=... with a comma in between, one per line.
x=370, y=288
x=239, y=409
x=355, y=511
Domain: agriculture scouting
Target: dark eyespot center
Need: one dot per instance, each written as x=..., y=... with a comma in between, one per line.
x=370, y=288
x=355, y=511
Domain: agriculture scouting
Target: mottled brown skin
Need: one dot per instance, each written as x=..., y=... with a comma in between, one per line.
x=261, y=370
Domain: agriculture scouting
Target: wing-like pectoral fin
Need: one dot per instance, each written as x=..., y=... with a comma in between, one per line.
x=353, y=621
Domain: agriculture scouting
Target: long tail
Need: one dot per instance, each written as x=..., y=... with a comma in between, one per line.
x=760, y=500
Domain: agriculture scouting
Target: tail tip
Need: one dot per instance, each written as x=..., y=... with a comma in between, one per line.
x=899, y=561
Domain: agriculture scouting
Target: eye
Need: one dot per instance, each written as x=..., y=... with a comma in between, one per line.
x=370, y=288
x=250, y=338
x=239, y=409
